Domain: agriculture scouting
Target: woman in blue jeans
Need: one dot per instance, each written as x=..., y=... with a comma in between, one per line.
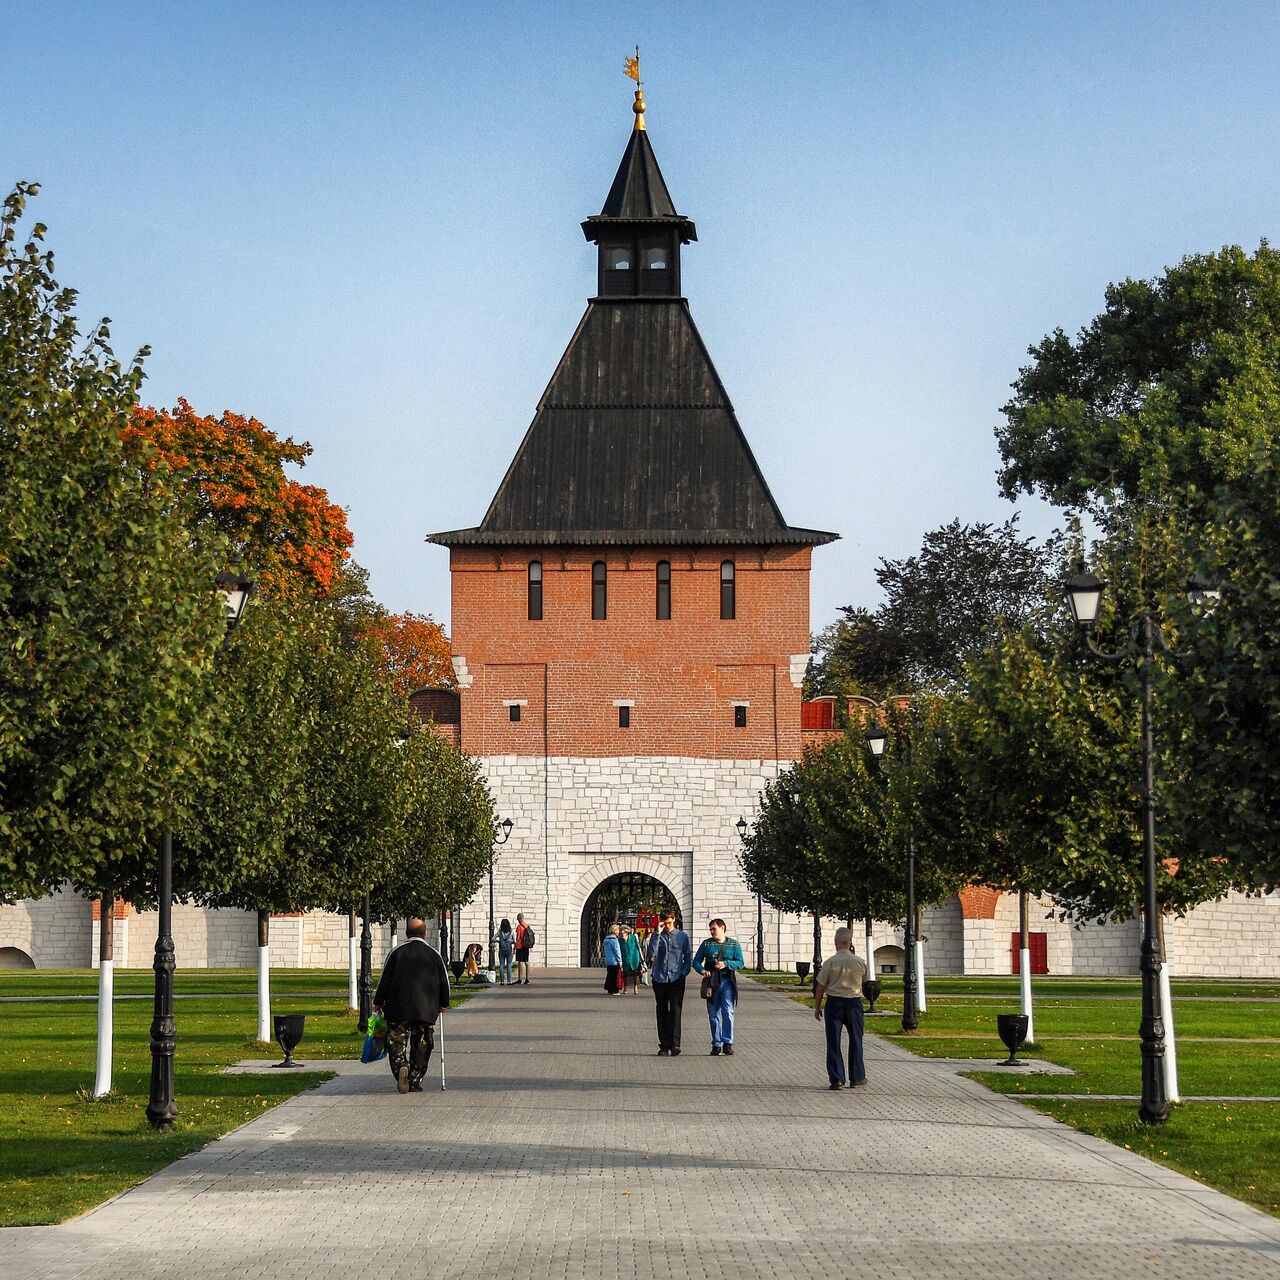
x=506, y=952
x=719, y=958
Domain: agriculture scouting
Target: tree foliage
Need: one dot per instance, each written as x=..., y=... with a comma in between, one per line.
x=1172, y=390
x=109, y=620
x=288, y=534
x=941, y=606
x=413, y=651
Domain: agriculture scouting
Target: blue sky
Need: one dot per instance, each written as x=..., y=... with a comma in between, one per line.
x=359, y=222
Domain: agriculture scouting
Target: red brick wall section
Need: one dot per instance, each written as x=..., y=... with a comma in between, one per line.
x=682, y=674
x=119, y=909
x=978, y=902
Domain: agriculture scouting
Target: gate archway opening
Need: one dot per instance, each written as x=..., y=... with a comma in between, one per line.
x=630, y=898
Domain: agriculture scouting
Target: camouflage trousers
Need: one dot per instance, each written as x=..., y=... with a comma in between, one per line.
x=409, y=1044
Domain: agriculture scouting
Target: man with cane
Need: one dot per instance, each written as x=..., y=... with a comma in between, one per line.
x=413, y=991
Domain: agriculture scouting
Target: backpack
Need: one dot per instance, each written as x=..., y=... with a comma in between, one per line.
x=529, y=936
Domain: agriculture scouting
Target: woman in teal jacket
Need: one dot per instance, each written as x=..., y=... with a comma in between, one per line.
x=719, y=958
x=632, y=960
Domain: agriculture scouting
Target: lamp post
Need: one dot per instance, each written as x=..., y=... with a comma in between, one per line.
x=162, y=1108
x=741, y=827
x=1084, y=595
x=366, y=966
x=877, y=737
x=501, y=834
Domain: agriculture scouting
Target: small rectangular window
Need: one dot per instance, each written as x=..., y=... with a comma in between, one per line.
x=664, y=591
x=728, y=591
x=739, y=717
x=599, y=591
x=513, y=713
x=654, y=255
x=619, y=258
x=535, y=590
x=624, y=717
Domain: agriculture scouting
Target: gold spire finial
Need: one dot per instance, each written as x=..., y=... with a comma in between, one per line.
x=632, y=68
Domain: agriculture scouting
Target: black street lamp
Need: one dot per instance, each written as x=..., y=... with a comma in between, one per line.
x=162, y=1107
x=741, y=827
x=366, y=966
x=877, y=738
x=501, y=834
x=1084, y=595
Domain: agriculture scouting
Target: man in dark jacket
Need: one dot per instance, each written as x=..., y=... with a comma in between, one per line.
x=412, y=992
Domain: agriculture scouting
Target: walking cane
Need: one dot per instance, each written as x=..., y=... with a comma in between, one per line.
x=442, y=1051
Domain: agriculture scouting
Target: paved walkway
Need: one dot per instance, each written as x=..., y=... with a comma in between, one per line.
x=563, y=1148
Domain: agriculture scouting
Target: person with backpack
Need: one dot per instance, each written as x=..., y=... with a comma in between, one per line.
x=718, y=959
x=506, y=952
x=525, y=939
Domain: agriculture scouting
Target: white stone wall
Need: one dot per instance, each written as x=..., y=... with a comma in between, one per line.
x=1106, y=950
x=1237, y=935
x=57, y=932
x=943, y=929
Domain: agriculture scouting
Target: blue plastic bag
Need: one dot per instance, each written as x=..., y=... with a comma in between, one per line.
x=375, y=1043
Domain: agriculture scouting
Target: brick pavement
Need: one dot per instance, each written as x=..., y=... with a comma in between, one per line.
x=564, y=1149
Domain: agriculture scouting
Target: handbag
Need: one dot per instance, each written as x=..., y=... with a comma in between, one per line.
x=711, y=981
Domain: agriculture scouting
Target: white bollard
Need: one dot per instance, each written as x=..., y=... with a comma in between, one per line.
x=106, y=986
x=1170, y=1042
x=264, y=993
x=871, y=955
x=1024, y=974
x=922, y=1000
x=353, y=993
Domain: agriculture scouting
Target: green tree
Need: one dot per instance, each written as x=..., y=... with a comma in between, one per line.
x=1165, y=396
x=966, y=584
x=107, y=627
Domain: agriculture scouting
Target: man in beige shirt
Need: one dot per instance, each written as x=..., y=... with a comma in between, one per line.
x=839, y=982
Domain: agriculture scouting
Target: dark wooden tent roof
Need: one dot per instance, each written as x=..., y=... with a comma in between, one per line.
x=634, y=440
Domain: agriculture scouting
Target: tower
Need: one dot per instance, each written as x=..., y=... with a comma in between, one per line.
x=631, y=616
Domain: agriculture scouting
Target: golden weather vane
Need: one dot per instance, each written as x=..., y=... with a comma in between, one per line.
x=632, y=68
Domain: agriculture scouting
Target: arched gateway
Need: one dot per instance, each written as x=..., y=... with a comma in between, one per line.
x=630, y=897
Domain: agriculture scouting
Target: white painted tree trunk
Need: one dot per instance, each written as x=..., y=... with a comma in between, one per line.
x=106, y=985
x=922, y=999
x=264, y=992
x=1024, y=973
x=1170, y=1041
x=871, y=952
x=353, y=954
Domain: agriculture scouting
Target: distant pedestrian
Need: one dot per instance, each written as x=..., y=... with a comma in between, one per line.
x=525, y=938
x=471, y=961
x=413, y=991
x=718, y=960
x=632, y=960
x=670, y=957
x=840, y=981
x=613, y=961
x=506, y=952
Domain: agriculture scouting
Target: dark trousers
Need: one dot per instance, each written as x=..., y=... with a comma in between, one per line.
x=409, y=1044
x=612, y=983
x=669, y=998
x=842, y=1013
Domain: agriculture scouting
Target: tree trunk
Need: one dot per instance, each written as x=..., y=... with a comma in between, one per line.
x=1024, y=965
x=106, y=989
x=353, y=952
x=264, y=976
x=871, y=951
x=922, y=999
x=1166, y=1013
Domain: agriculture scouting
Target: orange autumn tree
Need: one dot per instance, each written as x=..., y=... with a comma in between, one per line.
x=412, y=649
x=290, y=534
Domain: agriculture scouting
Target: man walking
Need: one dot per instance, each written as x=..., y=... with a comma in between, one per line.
x=840, y=981
x=413, y=991
x=525, y=939
x=670, y=958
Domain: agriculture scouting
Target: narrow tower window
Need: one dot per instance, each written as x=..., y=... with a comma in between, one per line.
x=513, y=713
x=618, y=258
x=599, y=591
x=535, y=590
x=728, y=591
x=664, y=590
x=739, y=715
x=624, y=717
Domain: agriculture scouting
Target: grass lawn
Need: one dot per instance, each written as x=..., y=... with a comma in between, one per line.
x=1228, y=1046
x=61, y=1152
